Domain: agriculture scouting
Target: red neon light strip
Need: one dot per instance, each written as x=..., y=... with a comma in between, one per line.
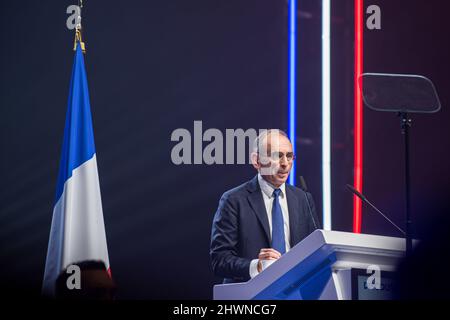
x=358, y=131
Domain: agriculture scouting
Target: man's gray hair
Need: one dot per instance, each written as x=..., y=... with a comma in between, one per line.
x=261, y=138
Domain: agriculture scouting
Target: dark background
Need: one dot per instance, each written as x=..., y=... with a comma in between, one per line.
x=154, y=67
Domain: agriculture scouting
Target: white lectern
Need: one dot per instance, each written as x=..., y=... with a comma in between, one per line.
x=325, y=265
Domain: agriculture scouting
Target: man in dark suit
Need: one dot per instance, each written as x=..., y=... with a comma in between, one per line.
x=263, y=218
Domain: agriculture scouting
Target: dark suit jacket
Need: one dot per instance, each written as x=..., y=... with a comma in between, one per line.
x=241, y=228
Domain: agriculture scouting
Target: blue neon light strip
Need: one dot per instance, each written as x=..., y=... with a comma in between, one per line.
x=292, y=45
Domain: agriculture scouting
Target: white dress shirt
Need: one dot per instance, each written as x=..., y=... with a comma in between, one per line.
x=267, y=193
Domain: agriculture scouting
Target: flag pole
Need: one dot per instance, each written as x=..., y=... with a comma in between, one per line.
x=78, y=35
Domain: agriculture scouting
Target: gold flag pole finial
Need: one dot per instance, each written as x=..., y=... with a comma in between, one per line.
x=78, y=36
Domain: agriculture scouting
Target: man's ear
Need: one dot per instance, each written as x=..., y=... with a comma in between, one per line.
x=255, y=160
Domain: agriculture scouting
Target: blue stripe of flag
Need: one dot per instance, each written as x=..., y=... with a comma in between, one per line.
x=78, y=144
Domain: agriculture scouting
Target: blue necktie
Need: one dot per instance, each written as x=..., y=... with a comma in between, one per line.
x=278, y=241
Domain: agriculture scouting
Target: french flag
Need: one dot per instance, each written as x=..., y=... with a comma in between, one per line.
x=78, y=230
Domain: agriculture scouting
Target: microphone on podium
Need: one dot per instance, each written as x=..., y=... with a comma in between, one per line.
x=364, y=199
x=305, y=189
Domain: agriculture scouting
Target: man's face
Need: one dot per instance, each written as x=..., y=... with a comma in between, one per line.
x=275, y=163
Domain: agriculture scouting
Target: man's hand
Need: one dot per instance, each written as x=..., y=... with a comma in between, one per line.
x=267, y=254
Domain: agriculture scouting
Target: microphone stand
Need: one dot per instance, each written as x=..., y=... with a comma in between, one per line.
x=364, y=199
x=305, y=189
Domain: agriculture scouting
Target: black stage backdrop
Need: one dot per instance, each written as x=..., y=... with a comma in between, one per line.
x=154, y=67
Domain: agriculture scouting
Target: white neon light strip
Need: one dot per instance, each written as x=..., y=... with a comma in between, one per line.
x=326, y=122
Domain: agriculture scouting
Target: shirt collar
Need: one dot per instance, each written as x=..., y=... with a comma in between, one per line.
x=268, y=188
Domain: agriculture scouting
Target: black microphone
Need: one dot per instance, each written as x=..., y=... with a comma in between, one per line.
x=364, y=199
x=305, y=189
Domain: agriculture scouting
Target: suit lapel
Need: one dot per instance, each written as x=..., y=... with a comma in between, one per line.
x=256, y=201
x=294, y=211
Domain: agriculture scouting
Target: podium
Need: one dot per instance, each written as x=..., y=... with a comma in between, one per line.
x=329, y=265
